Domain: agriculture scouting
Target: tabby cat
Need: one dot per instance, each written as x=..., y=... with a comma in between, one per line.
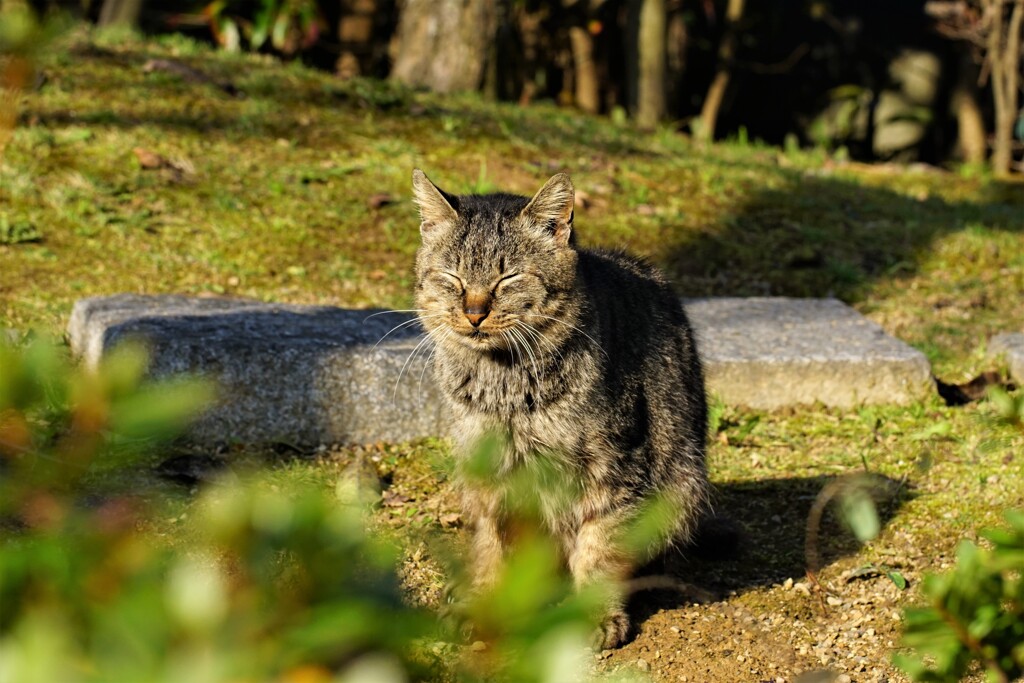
x=585, y=357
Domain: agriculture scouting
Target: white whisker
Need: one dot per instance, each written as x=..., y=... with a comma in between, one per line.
x=562, y=322
x=397, y=310
x=526, y=347
x=512, y=347
x=529, y=329
x=427, y=337
x=446, y=332
x=406, y=323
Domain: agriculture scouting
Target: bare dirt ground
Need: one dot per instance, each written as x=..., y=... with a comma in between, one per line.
x=756, y=615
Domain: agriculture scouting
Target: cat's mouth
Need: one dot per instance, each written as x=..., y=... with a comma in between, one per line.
x=478, y=339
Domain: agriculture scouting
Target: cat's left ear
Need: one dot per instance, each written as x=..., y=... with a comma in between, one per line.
x=551, y=209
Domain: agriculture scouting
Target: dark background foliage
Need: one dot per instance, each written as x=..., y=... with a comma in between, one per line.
x=907, y=81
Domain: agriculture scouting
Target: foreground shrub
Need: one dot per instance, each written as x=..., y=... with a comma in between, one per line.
x=263, y=582
x=975, y=613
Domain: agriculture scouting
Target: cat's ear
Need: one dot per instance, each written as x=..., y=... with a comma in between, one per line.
x=437, y=208
x=551, y=209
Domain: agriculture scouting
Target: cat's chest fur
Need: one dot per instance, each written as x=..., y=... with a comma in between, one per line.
x=532, y=403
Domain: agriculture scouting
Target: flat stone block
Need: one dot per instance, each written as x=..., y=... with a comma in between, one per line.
x=772, y=352
x=308, y=375
x=302, y=375
x=1009, y=347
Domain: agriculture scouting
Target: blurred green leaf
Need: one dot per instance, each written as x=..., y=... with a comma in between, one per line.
x=858, y=511
x=1009, y=409
x=975, y=612
x=161, y=410
x=940, y=429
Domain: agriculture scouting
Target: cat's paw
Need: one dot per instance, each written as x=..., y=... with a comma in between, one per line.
x=613, y=632
x=454, y=612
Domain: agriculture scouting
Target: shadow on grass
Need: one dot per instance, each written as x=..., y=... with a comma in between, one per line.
x=264, y=90
x=772, y=514
x=822, y=235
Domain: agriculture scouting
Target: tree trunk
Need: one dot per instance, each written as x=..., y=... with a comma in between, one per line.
x=969, y=118
x=355, y=37
x=650, y=101
x=15, y=73
x=1003, y=56
x=588, y=97
x=443, y=44
x=120, y=13
x=676, y=43
x=726, y=55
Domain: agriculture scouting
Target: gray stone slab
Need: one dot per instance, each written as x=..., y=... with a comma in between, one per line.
x=304, y=375
x=770, y=352
x=1010, y=348
x=308, y=374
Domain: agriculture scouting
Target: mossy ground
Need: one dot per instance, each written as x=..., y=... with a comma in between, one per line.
x=272, y=196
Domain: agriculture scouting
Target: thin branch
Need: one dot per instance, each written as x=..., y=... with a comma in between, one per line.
x=970, y=642
x=778, y=67
x=1013, y=54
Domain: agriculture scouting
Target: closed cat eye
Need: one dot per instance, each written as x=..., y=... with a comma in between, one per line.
x=505, y=278
x=453, y=278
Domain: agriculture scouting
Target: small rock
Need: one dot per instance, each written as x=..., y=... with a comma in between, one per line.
x=379, y=200
x=643, y=665
x=1010, y=348
x=478, y=646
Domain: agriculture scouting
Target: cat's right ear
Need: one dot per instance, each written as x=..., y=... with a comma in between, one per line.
x=437, y=208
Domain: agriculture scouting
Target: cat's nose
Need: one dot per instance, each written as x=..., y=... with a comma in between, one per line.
x=476, y=306
x=475, y=316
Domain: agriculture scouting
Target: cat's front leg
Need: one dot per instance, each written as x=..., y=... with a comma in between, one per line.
x=595, y=558
x=487, y=545
x=486, y=553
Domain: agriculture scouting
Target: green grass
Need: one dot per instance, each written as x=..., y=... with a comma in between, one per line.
x=276, y=204
x=270, y=200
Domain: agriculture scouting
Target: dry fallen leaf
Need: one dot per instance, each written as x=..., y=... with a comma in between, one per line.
x=961, y=394
x=380, y=199
x=451, y=519
x=177, y=169
x=149, y=160
x=393, y=499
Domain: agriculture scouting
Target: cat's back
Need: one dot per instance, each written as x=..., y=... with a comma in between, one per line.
x=644, y=333
x=630, y=288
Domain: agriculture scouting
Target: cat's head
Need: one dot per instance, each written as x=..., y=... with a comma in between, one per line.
x=491, y=268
